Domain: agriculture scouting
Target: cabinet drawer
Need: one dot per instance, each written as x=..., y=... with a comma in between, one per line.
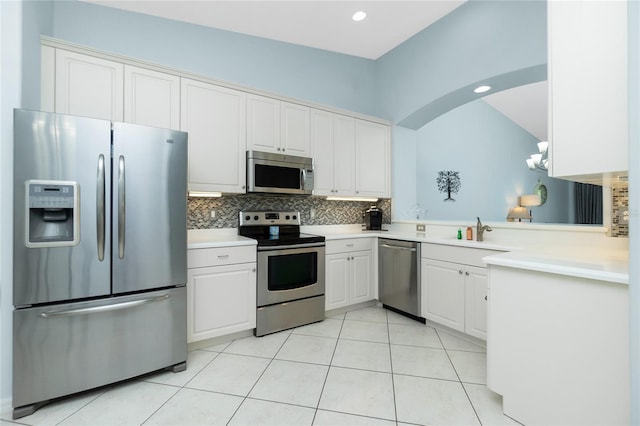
x=455, y=254
x=351, y=244
x=216, y=256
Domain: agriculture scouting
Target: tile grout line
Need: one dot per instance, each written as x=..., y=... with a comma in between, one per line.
x=326, y=377
x=446, y=351
x=183, y=386
x=393, y=380
x=244, y=398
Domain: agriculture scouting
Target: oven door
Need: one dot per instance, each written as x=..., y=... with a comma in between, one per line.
x=287, y=273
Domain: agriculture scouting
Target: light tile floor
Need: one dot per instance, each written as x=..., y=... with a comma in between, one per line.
x=365, y=367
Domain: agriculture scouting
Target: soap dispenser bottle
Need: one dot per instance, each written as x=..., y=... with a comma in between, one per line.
x=459, y=233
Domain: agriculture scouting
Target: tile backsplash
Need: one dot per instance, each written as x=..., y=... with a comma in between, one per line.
x=619, y=205
x=313, y=210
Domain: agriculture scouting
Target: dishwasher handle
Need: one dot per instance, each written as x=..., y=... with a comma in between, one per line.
x=398, y=247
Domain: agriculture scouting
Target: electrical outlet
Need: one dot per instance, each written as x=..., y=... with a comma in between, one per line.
x=420, y=227
x=213, y=214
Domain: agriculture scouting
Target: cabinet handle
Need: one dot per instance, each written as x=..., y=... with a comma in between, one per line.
x=466, y=273
x=254, y=270
x=350, y=245
x=485, y=298
x=223, y=256
x=460, y=272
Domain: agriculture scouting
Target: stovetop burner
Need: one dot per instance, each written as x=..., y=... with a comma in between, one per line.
x=271, y=228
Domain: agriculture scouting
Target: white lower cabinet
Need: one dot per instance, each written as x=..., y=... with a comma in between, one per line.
x=221, y=291
x=454, y=288
x=349, y=277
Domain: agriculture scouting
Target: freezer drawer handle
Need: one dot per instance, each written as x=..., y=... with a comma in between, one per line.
x=100, y=213
x=105, y=308
x=398, y=247
x=122, y=208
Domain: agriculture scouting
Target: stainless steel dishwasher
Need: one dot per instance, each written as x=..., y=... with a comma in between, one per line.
x=399, y=276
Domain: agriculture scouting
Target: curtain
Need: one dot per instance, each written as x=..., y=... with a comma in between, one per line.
x=588, y=205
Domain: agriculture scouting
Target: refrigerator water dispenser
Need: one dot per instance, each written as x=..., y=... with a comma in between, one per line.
x=52, y=218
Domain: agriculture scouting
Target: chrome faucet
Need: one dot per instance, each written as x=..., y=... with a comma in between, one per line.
x=480, y=230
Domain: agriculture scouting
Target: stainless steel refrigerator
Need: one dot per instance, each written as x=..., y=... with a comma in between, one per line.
x=99, y=254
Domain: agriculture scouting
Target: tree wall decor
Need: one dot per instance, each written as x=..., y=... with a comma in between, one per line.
x=449, y=181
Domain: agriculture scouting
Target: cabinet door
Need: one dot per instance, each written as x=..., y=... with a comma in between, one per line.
x=88, y=86
x=337, y=277
x=215, y=118
x=475, y=281
x=151, y=98
x=263, y=124
x=220, y=300
x=443, y=293
x=322, y=151
x=372, y=159
x=345, y=155
x=588, y=43
x=361, y=276
x=294, y=129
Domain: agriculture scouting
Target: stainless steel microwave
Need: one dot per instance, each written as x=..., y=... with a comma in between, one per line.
x=279, y=173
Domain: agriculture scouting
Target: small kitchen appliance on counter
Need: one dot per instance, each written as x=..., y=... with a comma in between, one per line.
x=373, y=219
x=290, y=283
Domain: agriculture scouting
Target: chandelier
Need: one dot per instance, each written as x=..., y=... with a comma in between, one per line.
x=539, y=161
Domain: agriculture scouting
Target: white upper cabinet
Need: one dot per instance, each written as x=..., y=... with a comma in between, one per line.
x=294, y=125
x=588, y=89
x=277, y=126
x=373, y=157
x=215, y=118
x=333, y=152
x=151, y=98
x=263, y=124
x=88, y=86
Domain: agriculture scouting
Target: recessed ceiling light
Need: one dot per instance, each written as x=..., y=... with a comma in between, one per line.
x=482, y=89
x=359, y=15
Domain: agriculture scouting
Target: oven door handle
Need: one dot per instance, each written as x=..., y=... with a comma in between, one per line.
x=291, y=246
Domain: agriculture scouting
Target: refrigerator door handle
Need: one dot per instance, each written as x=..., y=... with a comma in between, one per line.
x=122, y=208
x=100, y=207
x=104, y=308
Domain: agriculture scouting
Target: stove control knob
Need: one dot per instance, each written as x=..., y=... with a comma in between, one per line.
x=287, y=217
x=255, y=217
x=247, y=217
x=295, y=217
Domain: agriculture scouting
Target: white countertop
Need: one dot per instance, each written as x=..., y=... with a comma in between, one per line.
x=208, y=238
x=610, y=266
x=587, y=261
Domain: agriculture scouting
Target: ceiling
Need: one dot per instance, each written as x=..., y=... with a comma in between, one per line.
x=327, y=25
x=526, y=105
x=320, y=24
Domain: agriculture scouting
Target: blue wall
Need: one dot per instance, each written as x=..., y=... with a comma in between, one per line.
x=36, y=20
x=314, y=75
x=476, y=42
x=489, y=151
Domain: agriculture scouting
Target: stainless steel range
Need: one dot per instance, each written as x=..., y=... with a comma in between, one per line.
x=290, y=287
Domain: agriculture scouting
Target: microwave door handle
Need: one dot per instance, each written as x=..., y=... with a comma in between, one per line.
x=303, y=178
